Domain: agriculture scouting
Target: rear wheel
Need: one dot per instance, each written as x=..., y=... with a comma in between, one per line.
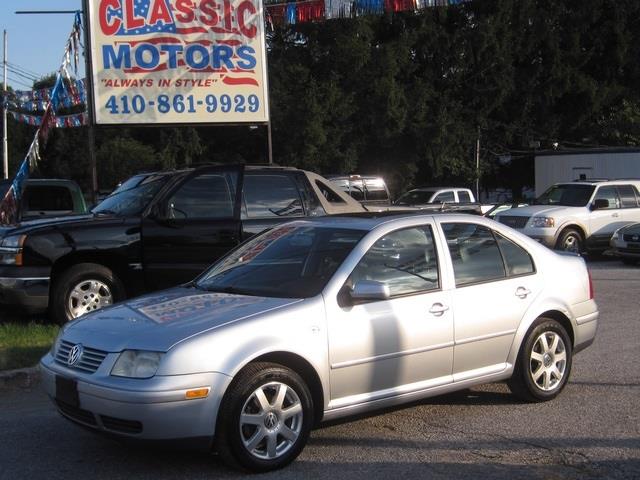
x=570, y=240
x=84, y=288
x=544, y=362
x=265, y=418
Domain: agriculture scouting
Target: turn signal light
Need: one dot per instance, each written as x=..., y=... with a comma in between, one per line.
x=197, y=393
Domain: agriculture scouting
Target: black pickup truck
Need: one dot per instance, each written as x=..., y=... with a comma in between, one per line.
x=155, y=231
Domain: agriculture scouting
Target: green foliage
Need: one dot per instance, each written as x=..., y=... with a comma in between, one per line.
x=22, y=345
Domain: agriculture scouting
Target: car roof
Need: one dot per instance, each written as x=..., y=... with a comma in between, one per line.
x=370, y=220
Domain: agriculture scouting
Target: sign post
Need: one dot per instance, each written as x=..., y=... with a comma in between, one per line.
x=177, y=62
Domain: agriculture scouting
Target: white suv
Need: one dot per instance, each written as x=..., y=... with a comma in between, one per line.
x=578, y=216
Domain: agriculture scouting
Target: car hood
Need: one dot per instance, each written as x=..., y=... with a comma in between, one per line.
x=537, y=210
x=630, y=229
x=27, y=226
x=160, y=320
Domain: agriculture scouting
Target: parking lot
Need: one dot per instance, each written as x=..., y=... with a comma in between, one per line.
x=591, y=431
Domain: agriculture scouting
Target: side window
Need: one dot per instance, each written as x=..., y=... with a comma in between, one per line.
x=608, y=193
x=405, y=260
x=464, y=196
x=376, y=190
x=328, y=193
x=205, y=196
x=474, y=252
x=444, y=197
x=271, y=196
x=628, y=196
x=516, y=258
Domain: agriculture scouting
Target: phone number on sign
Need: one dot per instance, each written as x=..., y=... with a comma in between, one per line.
x=183, y=104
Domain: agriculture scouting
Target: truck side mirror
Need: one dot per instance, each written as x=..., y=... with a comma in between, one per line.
x=600, y=204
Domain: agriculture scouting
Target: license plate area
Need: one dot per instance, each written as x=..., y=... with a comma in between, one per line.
x=67, y=391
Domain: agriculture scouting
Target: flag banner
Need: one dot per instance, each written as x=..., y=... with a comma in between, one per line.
x=177, y=61
x=36, y=100
x=10, y=205
x=60, y=121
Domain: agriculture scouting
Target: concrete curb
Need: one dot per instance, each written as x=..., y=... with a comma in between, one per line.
x=20, y=378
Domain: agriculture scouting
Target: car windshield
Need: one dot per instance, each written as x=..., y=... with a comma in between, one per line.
x=134, y=200
x=415, y=197
x=291, y=261
x=566, y=195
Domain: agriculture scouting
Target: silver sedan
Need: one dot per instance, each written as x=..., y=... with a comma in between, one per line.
x=317, y=320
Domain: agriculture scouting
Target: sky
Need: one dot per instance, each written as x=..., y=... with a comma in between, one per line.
x=35, y=42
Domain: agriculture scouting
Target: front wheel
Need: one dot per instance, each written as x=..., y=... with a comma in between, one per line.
x=265, y=418
x=84, y=288
x=570, y=240
x=544, y=362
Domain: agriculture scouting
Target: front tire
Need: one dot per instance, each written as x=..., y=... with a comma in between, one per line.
x=265, y=418
x=84, y=288
x=570, y=240
x=544, y=362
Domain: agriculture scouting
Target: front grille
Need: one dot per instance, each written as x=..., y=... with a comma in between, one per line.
x=631, y=237
x=77, y=414
x=121, y=425
x=514, y=221
x=89, y=362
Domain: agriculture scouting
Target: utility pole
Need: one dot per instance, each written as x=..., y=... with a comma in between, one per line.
x=5, y=151
x=478, y=166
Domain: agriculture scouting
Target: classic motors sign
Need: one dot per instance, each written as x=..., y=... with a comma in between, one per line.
x=178, y=61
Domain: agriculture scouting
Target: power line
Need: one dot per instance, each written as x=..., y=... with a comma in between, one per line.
x=24, y=70
x=16, y=72
x=20, y=67
x=21, y=82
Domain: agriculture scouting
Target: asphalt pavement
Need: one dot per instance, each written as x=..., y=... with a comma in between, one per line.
x=592, y=430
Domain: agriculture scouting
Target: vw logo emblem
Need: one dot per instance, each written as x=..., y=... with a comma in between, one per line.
x=634, y=238
x=74, y=354
x=270, y=421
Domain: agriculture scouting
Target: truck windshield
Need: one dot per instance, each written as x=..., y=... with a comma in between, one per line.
x=566, y=195
x=292, y=261
x=134, y=200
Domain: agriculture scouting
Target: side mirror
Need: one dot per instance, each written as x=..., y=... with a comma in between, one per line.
x=600, y=204
x=370, y=290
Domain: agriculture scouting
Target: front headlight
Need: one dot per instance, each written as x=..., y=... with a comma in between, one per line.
x=543, y=222
x=137, y=364
x=11, y=250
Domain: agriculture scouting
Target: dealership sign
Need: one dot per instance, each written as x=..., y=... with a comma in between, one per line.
x=178, y=61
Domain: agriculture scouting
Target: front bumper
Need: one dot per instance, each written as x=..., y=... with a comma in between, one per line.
x=545, y=236
x=623, y=249
x=26, y=288
x=586, y=315
x=145, y=409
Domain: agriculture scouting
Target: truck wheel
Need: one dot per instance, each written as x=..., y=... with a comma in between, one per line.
x=84, y=288
x=570, y=240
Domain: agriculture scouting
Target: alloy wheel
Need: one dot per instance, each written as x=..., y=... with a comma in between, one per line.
x=271, y=421
x=548, y=361
x=87, y=296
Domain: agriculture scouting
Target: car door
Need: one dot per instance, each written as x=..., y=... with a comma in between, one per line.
x=496, y=282
x=603, y=222
x=404, y=343
x=193, y=225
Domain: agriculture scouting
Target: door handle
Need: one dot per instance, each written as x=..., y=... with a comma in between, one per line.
x=522, y=292
x=438, y=309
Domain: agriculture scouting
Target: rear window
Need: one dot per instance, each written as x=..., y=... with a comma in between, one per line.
x=628, y=196
x=464, y=196
x=47, y=198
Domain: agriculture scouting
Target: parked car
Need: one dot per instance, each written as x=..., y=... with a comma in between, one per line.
x=578, y=216
x=426, y=195
x=48, y=197
x=157, y=230
x=625, y=243
x=503, y=207
x=368, y=190
x=325, y=318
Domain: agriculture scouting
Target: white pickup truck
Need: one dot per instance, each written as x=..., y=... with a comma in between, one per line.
x=578, y=216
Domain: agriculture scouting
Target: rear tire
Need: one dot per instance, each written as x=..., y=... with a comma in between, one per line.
x=544, y=362
x=84, y=288
x=265, y=418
